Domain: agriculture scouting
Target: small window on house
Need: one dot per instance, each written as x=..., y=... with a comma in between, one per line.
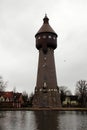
x=7, y=99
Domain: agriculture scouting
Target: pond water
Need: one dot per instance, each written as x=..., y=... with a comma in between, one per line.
x=43, y=120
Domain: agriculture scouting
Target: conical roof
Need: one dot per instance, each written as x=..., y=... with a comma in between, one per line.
x=46, y=28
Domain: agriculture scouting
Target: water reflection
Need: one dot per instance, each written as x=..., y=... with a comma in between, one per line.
x=17, y=120
x=43, y=120
x=72, y=120
x=46, y=120
x=63, y=120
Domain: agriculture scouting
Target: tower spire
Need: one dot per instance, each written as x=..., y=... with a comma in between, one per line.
x=46, y=28
x=45, y=15
x=46, y=19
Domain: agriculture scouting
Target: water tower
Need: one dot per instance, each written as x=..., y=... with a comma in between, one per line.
x=46, y=90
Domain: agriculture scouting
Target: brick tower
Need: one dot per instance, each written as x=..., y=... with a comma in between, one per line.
x=46, y=90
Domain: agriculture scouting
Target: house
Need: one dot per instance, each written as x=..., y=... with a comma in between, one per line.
x=70, y=101
x=18, y=100
x=11, y=99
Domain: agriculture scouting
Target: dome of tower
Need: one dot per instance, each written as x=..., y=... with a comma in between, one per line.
x=46, y=28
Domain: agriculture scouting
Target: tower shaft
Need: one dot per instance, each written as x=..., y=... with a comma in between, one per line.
x=46, y=69
x=46, y=90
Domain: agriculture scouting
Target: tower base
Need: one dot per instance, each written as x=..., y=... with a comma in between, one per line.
x=47, y=99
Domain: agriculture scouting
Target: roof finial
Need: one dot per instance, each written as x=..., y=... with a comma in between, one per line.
x=45, y=15
x=46, y=19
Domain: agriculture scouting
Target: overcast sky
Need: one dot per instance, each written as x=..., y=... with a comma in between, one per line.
x=19, y=22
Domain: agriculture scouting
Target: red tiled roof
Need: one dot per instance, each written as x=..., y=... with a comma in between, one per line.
x=10, y=95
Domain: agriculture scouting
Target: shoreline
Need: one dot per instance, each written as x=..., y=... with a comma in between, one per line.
x=43, y=109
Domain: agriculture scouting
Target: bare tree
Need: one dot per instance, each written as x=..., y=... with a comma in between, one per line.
x=65, y=90
x=2, y=84
x=81, y=91
x=25, y=96
x=31, y=99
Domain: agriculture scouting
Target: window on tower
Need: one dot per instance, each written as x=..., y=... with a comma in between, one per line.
x=39, y=37
x=44, y=36
x=49, y=36
x=45, y=58
x=54, y=38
